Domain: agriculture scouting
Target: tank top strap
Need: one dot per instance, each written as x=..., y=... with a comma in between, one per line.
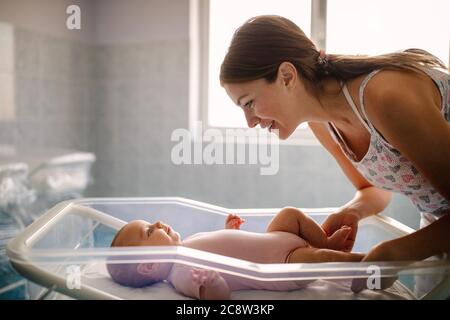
x=361, y=98
x=363, y=115
x=355, y=109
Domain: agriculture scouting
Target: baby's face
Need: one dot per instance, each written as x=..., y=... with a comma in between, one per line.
x=143, y=233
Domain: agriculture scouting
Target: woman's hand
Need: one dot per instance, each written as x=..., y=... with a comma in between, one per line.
x=385, y=251
x=429, y=241
x=233, y=221
x=337, y=220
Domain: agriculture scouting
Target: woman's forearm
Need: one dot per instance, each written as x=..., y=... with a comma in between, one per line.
x=368, y=201
x=431, y=240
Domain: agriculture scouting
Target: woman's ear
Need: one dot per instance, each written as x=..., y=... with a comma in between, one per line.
x=145, y=268
x=287, y=73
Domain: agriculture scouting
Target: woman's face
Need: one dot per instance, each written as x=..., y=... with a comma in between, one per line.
x=269, y=105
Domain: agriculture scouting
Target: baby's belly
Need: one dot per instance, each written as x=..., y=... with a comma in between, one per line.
x=271, y=247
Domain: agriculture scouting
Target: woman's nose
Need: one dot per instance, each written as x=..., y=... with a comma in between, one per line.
x=252, y=120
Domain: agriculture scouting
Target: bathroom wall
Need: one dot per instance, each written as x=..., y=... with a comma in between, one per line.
x=51, y=76
x=120, y=90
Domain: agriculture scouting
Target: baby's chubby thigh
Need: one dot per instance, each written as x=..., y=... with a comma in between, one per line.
x=286, y=220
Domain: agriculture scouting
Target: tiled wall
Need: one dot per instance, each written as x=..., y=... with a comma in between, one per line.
x=141, y=96
x=52, y=79
x=122, y=102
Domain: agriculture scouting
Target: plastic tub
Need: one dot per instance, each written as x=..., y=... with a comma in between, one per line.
x=52, y=171
x=15, y=199
x=71, y=241
x=31, y=182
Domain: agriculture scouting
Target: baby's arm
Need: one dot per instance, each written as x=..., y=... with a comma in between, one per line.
x=200, y=283
x=211, y=284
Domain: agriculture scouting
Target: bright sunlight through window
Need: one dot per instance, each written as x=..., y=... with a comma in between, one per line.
x=225, y=17
x=353, y=27
x=376, y=27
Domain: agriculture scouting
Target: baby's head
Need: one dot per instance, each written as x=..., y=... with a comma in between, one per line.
x=142, y=233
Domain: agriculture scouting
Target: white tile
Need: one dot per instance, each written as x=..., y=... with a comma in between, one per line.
x=7, y=97
x=6, y=47
x=27, y=52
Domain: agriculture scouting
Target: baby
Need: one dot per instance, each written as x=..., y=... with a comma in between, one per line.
x=291, y=237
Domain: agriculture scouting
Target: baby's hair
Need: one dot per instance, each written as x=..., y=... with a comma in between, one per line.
x=126, y=274
x=114, y=240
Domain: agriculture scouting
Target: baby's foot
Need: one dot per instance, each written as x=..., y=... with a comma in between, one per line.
x=337, y=240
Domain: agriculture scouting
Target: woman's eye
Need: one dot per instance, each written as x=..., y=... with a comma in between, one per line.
x=248, y=104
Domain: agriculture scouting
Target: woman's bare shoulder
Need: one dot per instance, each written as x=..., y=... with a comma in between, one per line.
x=389, y=88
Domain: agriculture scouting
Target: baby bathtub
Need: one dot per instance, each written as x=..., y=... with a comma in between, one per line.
x=66, y=248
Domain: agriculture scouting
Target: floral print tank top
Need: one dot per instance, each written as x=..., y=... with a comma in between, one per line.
x=384, y=166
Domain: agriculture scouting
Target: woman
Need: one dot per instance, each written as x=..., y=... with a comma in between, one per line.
x=385, y=119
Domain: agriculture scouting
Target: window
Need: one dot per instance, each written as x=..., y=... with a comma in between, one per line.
x=225, y=18
x=382, y=26
x=213, y=22
x=347, y=27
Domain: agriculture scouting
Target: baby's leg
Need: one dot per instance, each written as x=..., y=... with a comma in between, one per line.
x=294, y=221
x=316, y=255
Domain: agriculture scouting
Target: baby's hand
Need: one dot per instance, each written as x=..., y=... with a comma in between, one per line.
x=211, y=284
x=205, y=277
x=233, y=221
x=338, y=239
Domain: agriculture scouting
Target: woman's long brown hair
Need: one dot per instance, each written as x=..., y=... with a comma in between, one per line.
x=262, y=43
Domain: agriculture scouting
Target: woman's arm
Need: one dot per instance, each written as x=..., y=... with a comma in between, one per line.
x=367, y=202
x=368, y=199
x=408, y=116
x=431, y=240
